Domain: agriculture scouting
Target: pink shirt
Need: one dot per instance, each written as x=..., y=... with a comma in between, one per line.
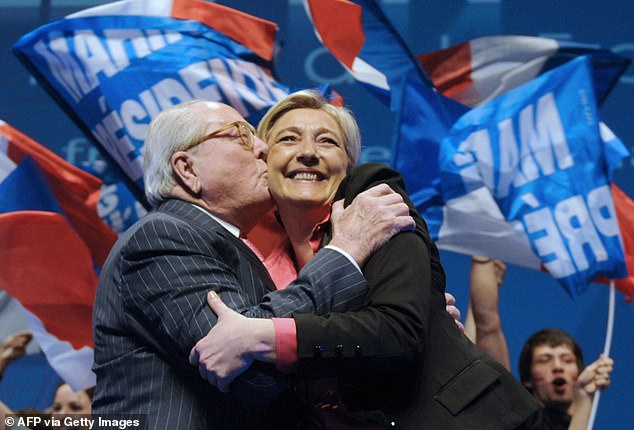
x=281, y=266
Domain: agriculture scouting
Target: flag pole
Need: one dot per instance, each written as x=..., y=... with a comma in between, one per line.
x=606, y=351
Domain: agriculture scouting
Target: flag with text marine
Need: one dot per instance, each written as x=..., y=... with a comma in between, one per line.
x=113, y=67
x=532, y=169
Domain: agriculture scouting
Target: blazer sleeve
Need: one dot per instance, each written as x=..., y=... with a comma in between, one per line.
x=389, y=332
x=328, y=283
x=168, y=266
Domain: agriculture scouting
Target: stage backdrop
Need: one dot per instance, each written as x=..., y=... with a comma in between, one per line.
x=529, y=300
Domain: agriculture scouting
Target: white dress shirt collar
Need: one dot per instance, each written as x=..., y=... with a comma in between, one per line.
x=228, y=226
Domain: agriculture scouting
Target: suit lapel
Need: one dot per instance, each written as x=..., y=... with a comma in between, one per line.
x=190, y=214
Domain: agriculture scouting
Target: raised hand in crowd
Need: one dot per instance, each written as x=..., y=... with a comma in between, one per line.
x=13, y=347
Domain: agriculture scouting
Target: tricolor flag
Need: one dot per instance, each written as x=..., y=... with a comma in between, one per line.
x=432, y=130
x=476, y=71
x=53, y=244
x=114, y=67
x=76, y=191
x=364, y=41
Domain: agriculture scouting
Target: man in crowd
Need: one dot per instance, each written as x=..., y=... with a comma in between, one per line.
x=551, y=361
x=551, y=368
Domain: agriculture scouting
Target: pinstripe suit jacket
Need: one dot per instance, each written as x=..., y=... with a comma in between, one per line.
x=150, y=310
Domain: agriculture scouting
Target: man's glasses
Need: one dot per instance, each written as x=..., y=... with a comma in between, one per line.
x=245, y=134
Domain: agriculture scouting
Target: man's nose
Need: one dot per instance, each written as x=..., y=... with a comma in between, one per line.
x=260, y=148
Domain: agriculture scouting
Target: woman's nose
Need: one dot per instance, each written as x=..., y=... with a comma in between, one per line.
x=307, y=153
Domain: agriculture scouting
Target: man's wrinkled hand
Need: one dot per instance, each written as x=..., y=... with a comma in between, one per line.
x=373, y=218
x=232, y=345
x=221, y=355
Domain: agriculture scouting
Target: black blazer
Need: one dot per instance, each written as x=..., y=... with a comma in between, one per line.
x=402, y=354
x=150, y=310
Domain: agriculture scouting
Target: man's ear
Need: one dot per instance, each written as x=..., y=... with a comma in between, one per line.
x=183, y=167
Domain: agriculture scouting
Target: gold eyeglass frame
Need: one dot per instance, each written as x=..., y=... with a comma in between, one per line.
x=246, y=139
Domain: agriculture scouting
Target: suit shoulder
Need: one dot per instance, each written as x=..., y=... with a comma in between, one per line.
x=160, y=229
x=368, y=175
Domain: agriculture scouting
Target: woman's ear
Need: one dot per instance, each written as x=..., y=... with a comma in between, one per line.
x=183, y=166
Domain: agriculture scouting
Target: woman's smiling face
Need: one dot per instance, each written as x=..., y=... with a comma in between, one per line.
x=307, y=160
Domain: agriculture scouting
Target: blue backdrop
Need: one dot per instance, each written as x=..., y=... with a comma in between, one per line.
x=529, y=300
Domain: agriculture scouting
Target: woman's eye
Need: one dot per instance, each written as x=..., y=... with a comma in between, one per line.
x=287, y=139
x=329, y=141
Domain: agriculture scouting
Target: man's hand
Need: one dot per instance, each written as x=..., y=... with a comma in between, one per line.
x=373, y=217
x=483, y=324
x=13, y=347
x=232, y=344
x=595, y=376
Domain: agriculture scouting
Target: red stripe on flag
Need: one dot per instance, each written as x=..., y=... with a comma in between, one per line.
x=48, y=268
x=76, y=191
x=625, y=214
x=255, y=33
x=450, y=70
x=340, y=26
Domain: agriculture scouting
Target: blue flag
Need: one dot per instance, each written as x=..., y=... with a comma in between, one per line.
x=538, y=154
x=114, y=67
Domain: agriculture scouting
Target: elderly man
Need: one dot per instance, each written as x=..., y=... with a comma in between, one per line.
x=205, y=173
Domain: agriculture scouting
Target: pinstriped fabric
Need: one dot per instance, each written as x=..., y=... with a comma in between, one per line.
x=150, y=309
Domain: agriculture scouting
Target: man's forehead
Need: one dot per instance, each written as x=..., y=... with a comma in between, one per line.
x=552, y=349
x=213, y=105
x=218, y=112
